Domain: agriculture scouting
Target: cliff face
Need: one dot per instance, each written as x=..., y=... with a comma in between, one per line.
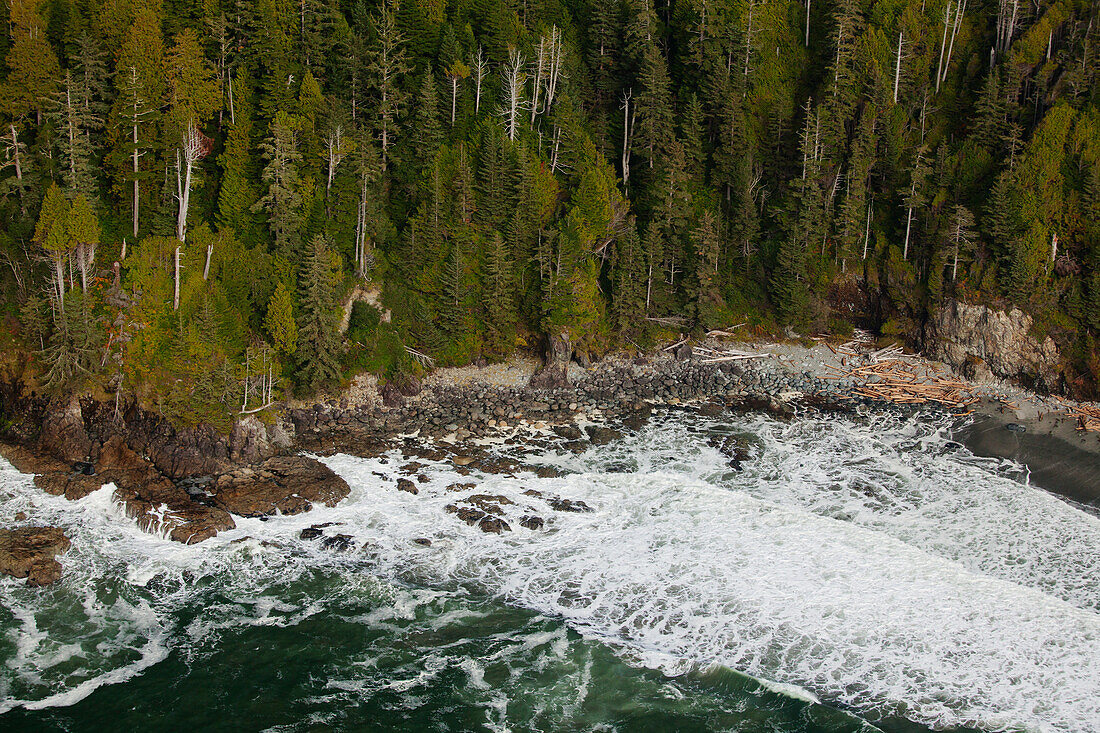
x=980, y=341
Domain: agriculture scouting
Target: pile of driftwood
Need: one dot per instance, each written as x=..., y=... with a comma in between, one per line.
x=1088, y=415
x=717, y=356
x=894, y=380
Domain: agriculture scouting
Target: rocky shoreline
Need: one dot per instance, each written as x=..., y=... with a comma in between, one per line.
x=188, y=485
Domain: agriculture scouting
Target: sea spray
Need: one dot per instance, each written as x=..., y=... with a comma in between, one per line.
x=865, y=562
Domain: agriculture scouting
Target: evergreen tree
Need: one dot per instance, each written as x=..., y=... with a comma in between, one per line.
x=283, y=200
x=279, y=321
x=317, y=342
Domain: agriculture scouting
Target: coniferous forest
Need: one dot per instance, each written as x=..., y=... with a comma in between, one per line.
x=191, y=188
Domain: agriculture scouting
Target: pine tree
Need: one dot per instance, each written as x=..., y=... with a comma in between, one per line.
x=387, y=67
x=427, y=132
x=708, y=296
x=139, y=86
x=318, y=344
x=279, y=321
x=33, y=70
x=75, y=123
x=283, y=200
x=50, y=234
x=629, y=303
x=499, y=299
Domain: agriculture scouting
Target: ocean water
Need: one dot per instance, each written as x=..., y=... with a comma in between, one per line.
x=857, y=574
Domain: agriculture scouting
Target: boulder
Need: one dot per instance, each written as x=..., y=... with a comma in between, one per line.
x=279, y=485
x=28, y=552
x=600, y=435
x=403, y=484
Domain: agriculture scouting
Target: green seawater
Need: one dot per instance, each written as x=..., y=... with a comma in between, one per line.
x=452, y=663
x=848, y=574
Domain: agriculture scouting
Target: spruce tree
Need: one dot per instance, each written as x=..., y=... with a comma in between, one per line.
x=283, y=199
x=318, y=340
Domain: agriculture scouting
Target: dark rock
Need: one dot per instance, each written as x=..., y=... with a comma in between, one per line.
x=554, y=374
x=1016, y=427
x=391, y=395
x=338, y=543
x=567, y=505
x=422, y=478
x=461, y=487
x=28, y=552
x=602, y=435
x=283, y=484
x=311, y=533
x=158, y=505
x=403, y=484
x=531, y=522
x=84, y=468
x=569, y=432
x=423, y=541
x=493, y=525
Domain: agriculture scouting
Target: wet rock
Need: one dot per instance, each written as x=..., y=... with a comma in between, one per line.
x=488, y=503
x=461, y=487
x=338, y=543
x=1016, y=427
x=403, y=484
x=158, y=505
x=569, y=432
x=710, y=409
x=411, y=468
x=20, y=516
x=493, y=525
x=311, y=533
x=422, y=478
x=467, y=514
x=531, y=522
x=28, y=552
x=423, y=542
x=567, y=505
x=600, y=435
x=283, y=485
x=72, y=486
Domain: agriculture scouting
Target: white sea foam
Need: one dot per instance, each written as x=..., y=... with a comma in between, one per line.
x=862, y=563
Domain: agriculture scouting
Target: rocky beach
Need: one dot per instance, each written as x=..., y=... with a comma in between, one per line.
x=188, y=485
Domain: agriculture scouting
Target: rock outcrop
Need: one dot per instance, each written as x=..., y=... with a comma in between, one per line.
x=29, y=552
x=158, y=505
x=279, y=485
x=554, y=373
x=979, y=341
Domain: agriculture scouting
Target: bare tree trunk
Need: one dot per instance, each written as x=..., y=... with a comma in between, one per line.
x=943, y=43
x=206, y=267
x=626, y=137
x=908, y=226
x=867, y=232
x=176, y=268
x=480, y=70
x=960, y=10
x=897, y=66
x=15, y=153
x=807, y=23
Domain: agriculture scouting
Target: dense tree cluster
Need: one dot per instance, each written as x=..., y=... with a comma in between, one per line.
x=191, y=187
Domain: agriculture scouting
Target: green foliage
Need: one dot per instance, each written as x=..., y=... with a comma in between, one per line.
x=318, y=345
x=707, y=161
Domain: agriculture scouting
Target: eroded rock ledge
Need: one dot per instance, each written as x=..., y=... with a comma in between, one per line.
x=283, y=485
x=29, y=552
